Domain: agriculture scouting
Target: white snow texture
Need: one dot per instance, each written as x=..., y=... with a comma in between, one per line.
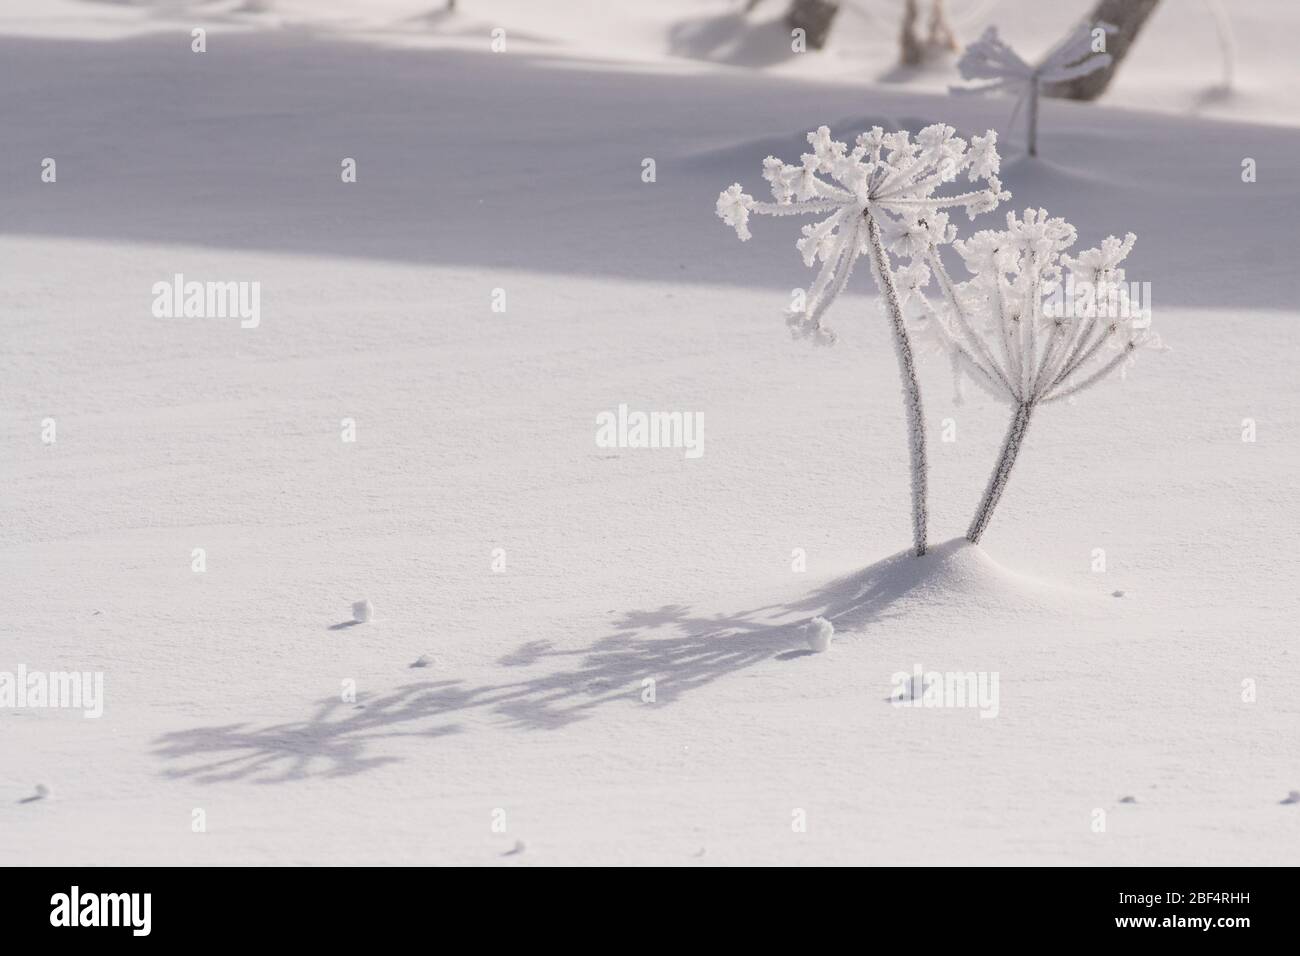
x=336, y=540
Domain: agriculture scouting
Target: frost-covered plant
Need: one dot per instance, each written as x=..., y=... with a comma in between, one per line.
x=886, y=184
x=1034, y=325
x=989, y=58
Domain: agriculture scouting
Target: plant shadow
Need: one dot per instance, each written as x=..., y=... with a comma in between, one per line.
x=678, y=648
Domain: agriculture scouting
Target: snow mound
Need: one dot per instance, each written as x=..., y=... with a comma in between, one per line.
x=954, y=573
x=959, y=566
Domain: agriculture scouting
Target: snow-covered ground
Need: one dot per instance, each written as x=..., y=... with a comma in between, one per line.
x=524, y=735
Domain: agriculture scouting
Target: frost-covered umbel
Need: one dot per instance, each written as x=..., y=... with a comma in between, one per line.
x=888, y=175
x=1033, y=324
x=887, y=182
x=989, y=58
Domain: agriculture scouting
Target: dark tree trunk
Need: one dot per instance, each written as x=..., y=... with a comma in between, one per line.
x=814, y=17
x=909, y=46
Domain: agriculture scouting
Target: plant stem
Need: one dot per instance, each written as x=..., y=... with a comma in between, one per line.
x=911, y=389
x=998, y=480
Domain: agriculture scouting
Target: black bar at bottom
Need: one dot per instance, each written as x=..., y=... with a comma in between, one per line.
x=340, y=906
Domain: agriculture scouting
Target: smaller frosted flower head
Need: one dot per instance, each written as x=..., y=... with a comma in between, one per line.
x=1020, y=330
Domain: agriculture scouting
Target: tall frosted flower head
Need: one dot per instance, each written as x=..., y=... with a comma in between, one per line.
x=889, y=178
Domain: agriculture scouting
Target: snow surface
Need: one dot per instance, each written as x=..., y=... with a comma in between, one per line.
x=475, y=432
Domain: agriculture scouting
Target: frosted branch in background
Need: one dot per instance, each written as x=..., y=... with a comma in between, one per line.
x=991, y=60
